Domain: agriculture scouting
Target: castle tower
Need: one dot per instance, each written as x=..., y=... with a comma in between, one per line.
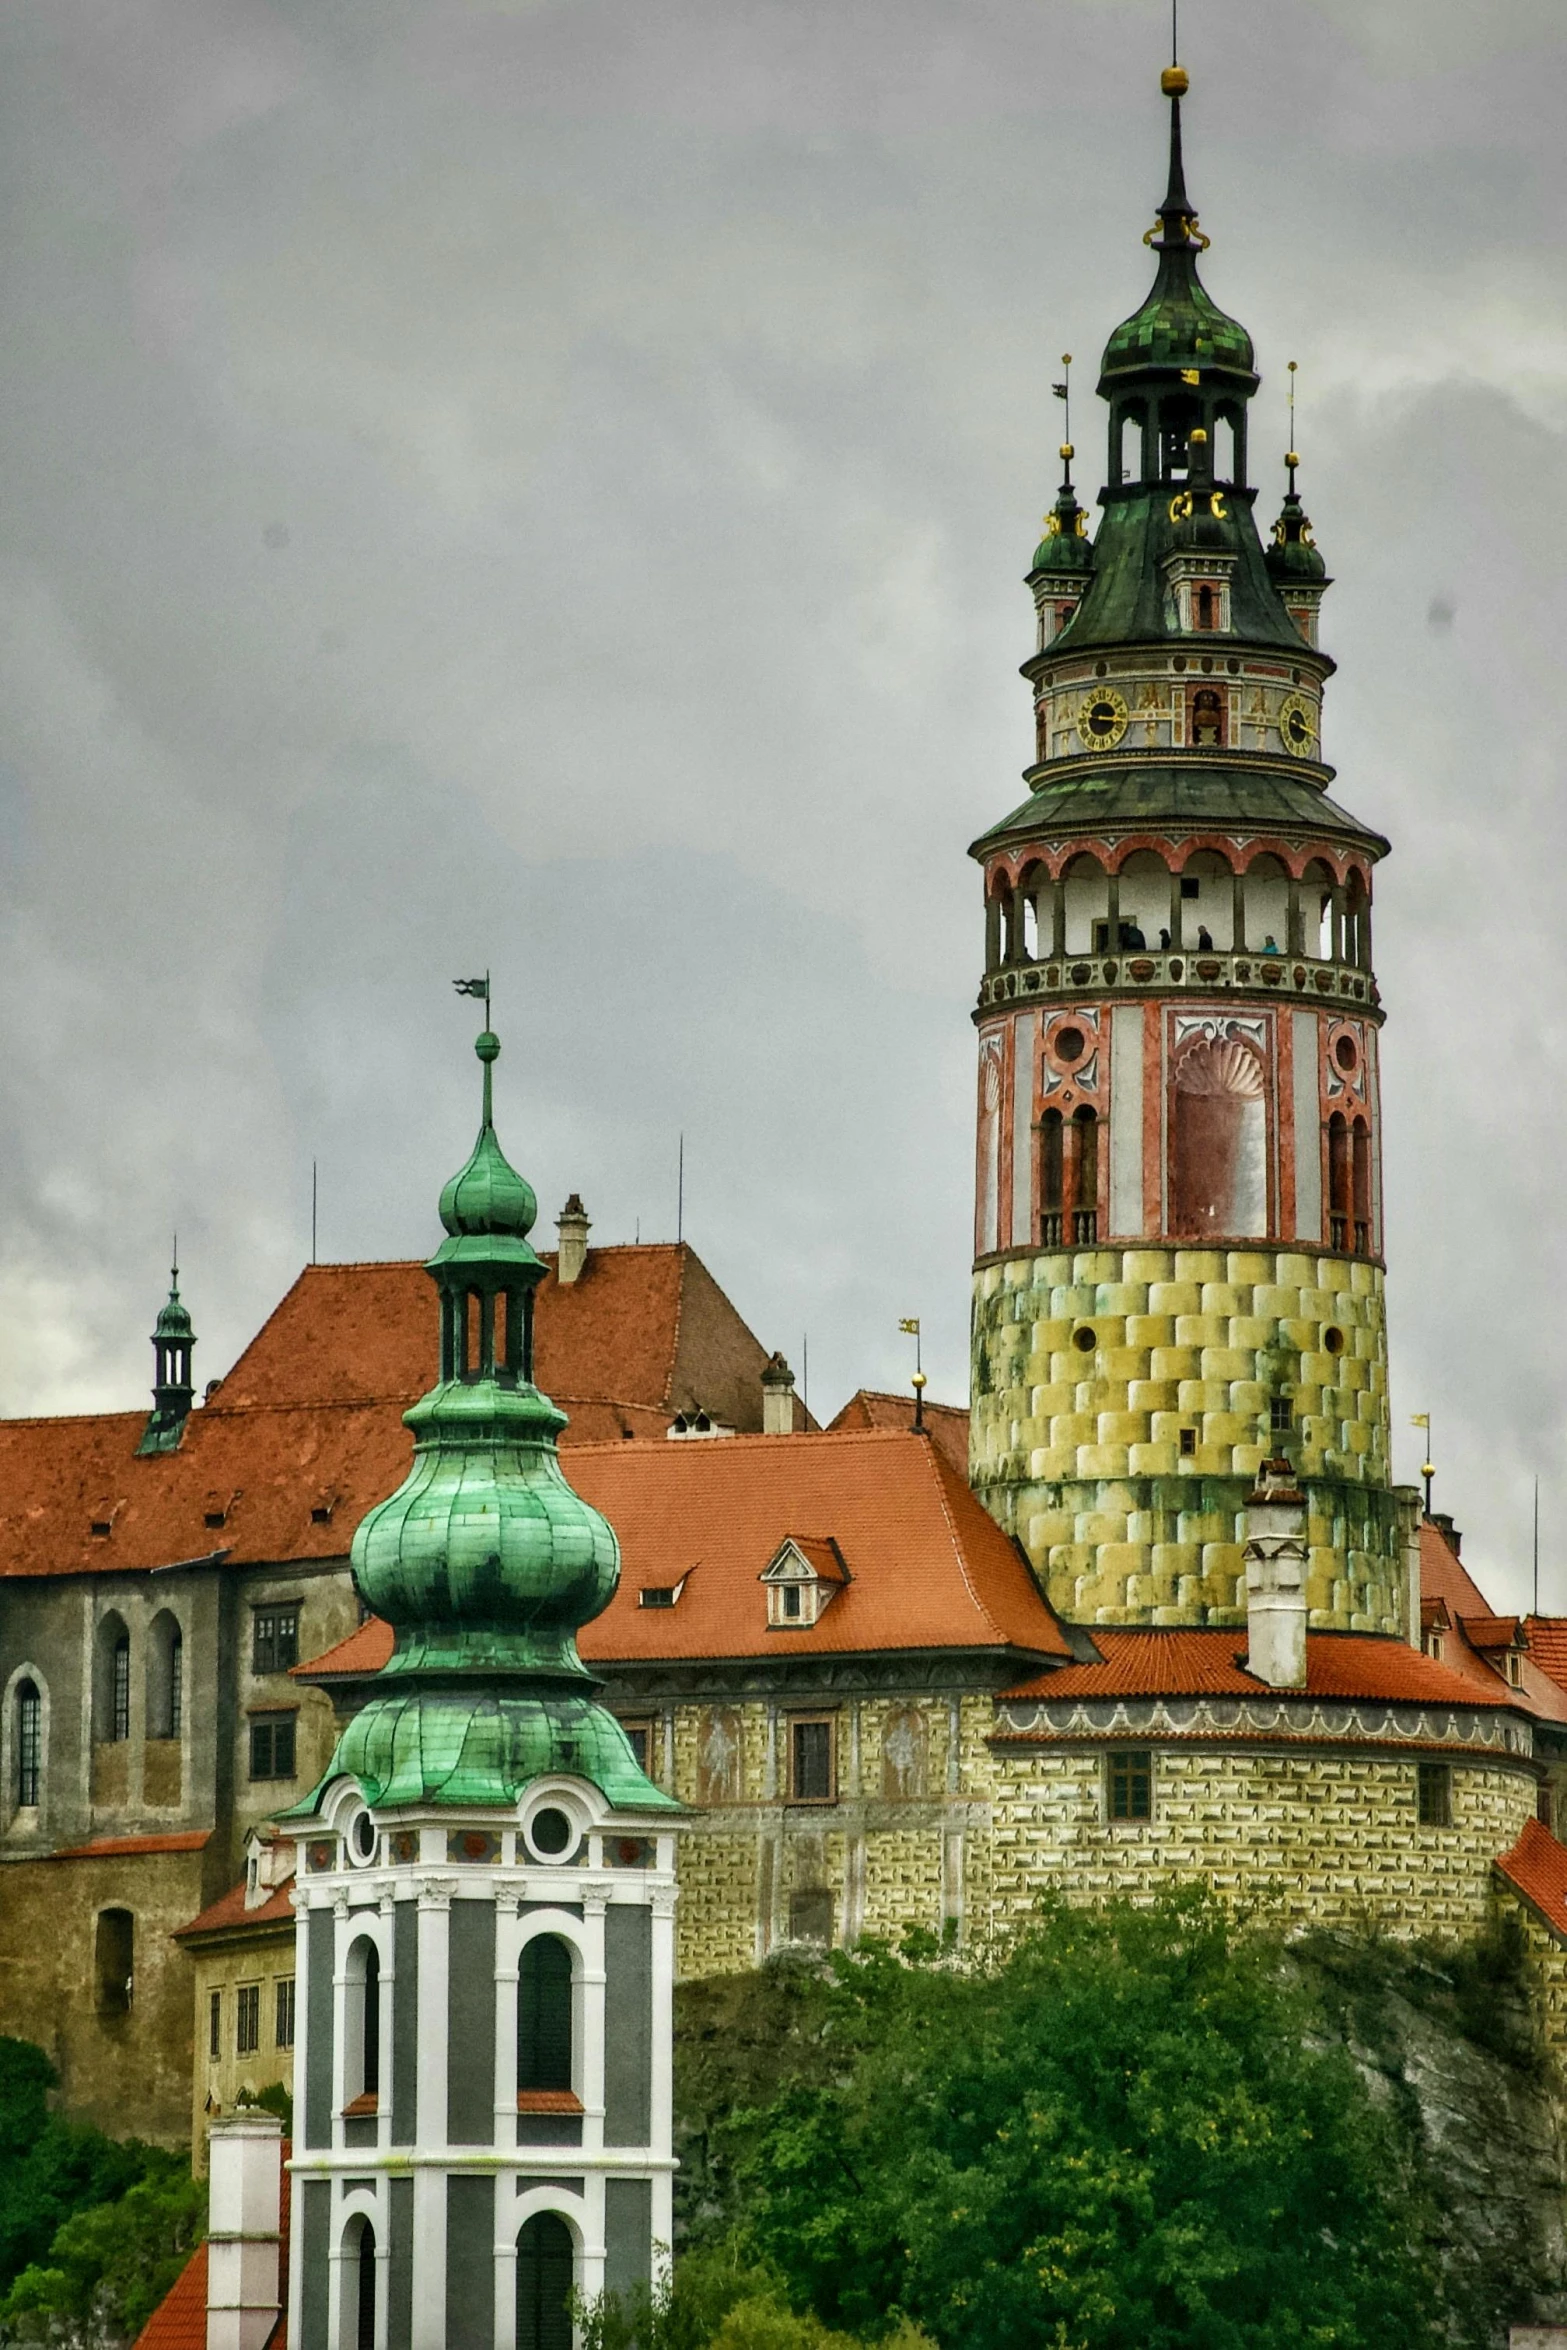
x=1178, y=1237
x=486, y=1878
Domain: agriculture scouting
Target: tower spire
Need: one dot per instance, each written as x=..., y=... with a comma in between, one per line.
x=172, y=1387
x=1175, y=213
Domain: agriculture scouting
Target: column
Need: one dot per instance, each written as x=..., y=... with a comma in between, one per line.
x=429, y=2250
x=1238, y=915
x=1058, y=917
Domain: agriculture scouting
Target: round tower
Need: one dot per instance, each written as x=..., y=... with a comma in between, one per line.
x=1178, y=1232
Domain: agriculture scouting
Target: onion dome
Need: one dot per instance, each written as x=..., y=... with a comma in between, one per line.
x=1066, y=547
x=174, y=1315
x=1292, y=555
x=1180, y=326
x=485, y=1562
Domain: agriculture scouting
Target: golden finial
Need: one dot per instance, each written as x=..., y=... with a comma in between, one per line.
x=1175, y=81
x=1067, y=452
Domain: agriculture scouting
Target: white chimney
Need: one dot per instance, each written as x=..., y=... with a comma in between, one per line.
x=1275, y=1558
x=244, y=2213
x=573, y=1226
x=777, y=1398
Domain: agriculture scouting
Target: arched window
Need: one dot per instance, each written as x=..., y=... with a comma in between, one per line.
x=1219, y=1140
x=544, y=2282
x=1341, y=1182
x=362, y=2074
x=544, y=2015
x=29, y=1744
x=1360, y=1185
x=1126, y=445
x=165, y=1675
x=114, y=1960
x=1176, y=419
x=1207, y=709
x=1205, y=606
x=364, y=2288
x=1052, y=1162
x=1081, y=1174
x=112, y=1680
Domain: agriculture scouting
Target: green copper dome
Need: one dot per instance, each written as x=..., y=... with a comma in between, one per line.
x=1066, y=547
x=173, y=1317
x=1292, y=554
x=488, y=1196
x=484, y=1561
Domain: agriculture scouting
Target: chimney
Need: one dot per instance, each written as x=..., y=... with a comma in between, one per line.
x=777, y=1397
x=245, y=2164
x=573, y=1226
x=1275, y=1558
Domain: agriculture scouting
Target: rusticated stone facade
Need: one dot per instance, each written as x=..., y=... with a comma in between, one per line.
x=1122, y=1407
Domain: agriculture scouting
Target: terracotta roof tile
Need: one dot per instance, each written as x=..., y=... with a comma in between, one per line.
x=1211, y=1663
x=929, y=1568
x=228, y=1912
x=180, y=2320
x=1548, y=1646
x=1443, y=1574
x=1488, y=1631
x=873, y=1407
x=1537, y=1868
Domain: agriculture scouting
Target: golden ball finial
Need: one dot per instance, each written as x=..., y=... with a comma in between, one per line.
x=1067, y=452
x=1175, y=81
x=1290, y=458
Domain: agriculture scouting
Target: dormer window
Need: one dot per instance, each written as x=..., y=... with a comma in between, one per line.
x=1434, y=1645
x=1514, y=1669
x=661, y=1594
x=802, y=1580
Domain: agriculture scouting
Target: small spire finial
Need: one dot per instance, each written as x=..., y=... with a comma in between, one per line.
x=1290, y=458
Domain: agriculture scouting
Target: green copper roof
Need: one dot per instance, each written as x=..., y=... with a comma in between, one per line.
x=1066, y=546
x=1292, y=554
x=1127, y=602
x=1095, y=799
x=1179, y=326
x=488, y=1196
x=484, y=1561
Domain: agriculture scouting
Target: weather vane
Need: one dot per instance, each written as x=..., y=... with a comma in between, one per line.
x=478, y=987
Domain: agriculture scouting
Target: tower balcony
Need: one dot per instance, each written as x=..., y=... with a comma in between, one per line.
x=1190, y=971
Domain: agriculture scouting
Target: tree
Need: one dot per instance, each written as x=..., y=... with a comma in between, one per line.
x=1115, y=2135
x=50, y=2167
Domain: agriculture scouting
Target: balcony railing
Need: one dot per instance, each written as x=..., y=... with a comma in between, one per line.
x=1196, y=971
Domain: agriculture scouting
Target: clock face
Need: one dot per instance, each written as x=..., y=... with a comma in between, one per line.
x=1101, y=721
x=1297, y=726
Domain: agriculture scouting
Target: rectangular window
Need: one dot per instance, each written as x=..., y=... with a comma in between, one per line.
x=284, y=2034
x=811, y=1761
x=274, y=1638
x=120, y=1691
x=1281, y=1417
x=29, y=1739
x=1188, y=1443
x=215, y=2025
x=1130, y=1787
x=1435, y=1794
x=639, y=1736
x=272, y=1746
x=247, y=2019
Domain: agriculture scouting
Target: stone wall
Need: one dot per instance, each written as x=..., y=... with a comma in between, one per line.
x=1321, y=1834
x=1076, y=1448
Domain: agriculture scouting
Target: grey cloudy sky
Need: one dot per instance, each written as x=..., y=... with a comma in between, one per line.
x=546, y=484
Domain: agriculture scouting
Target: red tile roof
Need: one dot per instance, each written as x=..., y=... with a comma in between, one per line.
x=1548, y=1646
x=1443, y=1574
x=1536, y=1867
x=1211, y=1663
x=122, y=1847
x=228, y=1912
x=1488, y=1631
x=180, y=2320
x=928, y=1567
x=872, y=1407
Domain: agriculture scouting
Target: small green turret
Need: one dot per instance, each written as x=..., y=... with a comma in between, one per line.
x=485, y=1562
x=172, y=1390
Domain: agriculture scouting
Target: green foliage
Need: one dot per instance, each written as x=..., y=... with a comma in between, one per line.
x=93, y=2230
x=274, y=2098
x=717, y=2302
x=1117, y=2135
x=109, y=2267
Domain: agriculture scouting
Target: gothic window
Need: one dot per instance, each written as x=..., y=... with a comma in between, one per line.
x=1207, y=717
x=544, y=2015
x=165, y=1671
x=1360, y=1185
x=29, y=1744
x=544, y=2284
x=364, y=2288
x=1219, y=1179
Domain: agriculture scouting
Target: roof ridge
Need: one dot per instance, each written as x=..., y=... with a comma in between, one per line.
x=941, y=1470
x=720, y=1445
